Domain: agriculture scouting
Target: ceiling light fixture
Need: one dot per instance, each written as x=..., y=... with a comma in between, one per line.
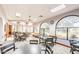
x=60, y=7
x=18, y=14
x=30, y=23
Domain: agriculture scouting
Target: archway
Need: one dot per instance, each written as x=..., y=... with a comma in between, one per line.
x=44, y=29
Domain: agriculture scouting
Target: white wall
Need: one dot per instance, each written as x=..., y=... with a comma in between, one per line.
x=1, y=29
x=2, y=24
x=3, y=20
x=36, y=28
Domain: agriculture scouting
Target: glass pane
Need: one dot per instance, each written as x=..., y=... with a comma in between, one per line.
x=69, y=21
x=61, y=33
x=44, y=29
x=74, y=33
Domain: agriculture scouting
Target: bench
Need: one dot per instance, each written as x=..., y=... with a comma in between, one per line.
x=7, y=47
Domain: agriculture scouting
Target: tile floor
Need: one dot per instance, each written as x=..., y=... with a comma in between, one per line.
x=58, y=49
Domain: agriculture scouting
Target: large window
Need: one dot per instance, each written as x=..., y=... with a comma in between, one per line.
x=68, y=27
x=18, y=26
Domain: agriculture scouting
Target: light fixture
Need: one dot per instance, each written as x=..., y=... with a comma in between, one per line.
x=18, y=14
x=30, y=24
x=60, y=7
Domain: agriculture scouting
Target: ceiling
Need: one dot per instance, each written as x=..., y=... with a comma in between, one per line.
x=34, y=10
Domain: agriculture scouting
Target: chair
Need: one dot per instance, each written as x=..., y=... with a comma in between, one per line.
x=7, y=47
x=50, y=41
x=73, y=46
x=48, y=50
x=23, y=37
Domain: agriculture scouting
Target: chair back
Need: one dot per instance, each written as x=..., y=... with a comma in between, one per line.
x=49, y=49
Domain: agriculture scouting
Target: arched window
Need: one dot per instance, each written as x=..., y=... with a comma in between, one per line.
x=44, y=29
x=67, y=28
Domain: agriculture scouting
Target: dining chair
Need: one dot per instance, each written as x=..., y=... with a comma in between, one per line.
x=74, y=47
x=48, y=50
x=50, y=41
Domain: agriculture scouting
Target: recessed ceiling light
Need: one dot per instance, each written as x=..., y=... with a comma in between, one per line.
x=18, y=14
x=35, y=19
x=30, y=24
x=60, y=7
